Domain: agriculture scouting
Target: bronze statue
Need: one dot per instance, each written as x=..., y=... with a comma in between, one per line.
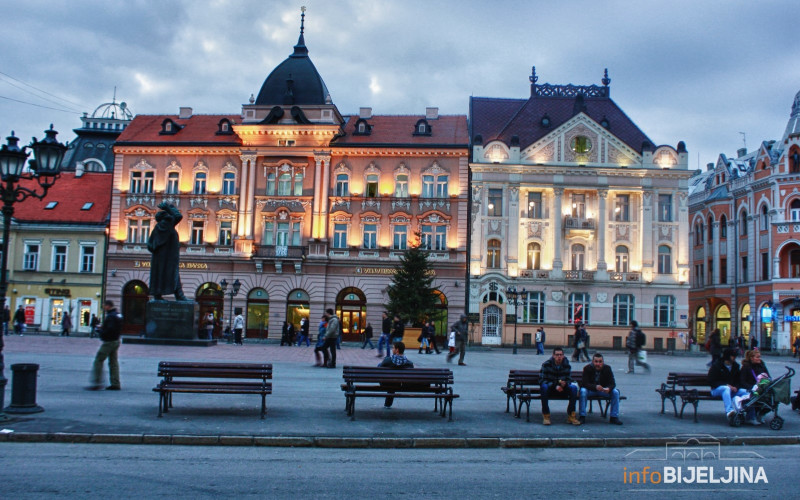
x=164, y=244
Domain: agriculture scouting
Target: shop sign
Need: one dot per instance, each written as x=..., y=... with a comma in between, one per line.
x=384, y=270
x=58, y=292
x=181, y=265
x=791, y=318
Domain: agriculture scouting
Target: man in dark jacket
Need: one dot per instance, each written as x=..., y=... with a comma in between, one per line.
x=397, y=360
x=724, y=379
x=386, y=328
x=109, y=334
x=598, y=380
x=556, y=382
x=461, y=327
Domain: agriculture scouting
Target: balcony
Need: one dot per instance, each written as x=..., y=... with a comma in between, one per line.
x=534, y=274
x=615, y=276
x=579, y=225
x=579, y=275
x=280, y=252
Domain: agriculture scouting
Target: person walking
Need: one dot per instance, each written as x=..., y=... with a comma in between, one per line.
x=93, y=324
x=66, y=324
x=432, y=338
x=303, y=332
x=386, y=328
x=796, y=347
x=425, y=338
x=714, y=346
x=238, y=328
x=6, y=319
x=287, y=332
x=109, y=334
x=461, y=328
x=321, y=329
x=540, y=340
x=580, y=340
x=368, y=336
x=209, y=324
x=331, y=334
x=635, y=342
x=19, y=321
x=398, y=329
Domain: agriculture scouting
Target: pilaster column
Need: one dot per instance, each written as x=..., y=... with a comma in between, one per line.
x=244, y=180
x=251, y=199
x=557, y=235
x=647, y=229
x=513, y=240
x=601, y=230
x=322, y=187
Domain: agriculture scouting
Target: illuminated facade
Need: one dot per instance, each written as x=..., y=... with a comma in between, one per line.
x=573, y=203
x=745, y=233
x=308, y=208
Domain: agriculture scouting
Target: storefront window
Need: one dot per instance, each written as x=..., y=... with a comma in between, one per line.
x=56, y=312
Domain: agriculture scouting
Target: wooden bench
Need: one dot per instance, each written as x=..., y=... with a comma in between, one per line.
x=379, y=382
x=524, y=386
x=218, y=378
x=690, y=391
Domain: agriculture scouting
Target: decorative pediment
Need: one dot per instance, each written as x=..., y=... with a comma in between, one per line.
x=229, y=167
x=341, y=217
x=496, y=152
x=401, y=169
x=200, y=166
x=342, y=168
x=434, y=218
x=435, y=169
x=142, y=165
x=139, y=212
x=174, y=166
x=226, y=215
x=372, y=169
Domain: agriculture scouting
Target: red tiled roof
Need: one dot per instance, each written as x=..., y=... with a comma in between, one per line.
x=500, y=119
x=71, y=193
x=145, y=129
x=399, y=129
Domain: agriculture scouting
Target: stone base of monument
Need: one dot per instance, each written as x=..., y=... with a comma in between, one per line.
x=171, y=323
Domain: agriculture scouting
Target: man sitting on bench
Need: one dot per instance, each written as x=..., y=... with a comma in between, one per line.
x=396, y=360
x=724, y=379
x=598, y=380
x=556, y=382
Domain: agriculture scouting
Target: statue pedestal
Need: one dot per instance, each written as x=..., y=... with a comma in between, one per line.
x=171, y=323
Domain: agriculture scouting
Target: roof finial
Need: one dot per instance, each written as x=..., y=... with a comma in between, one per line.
x=533, y=78
x=606, y=80
x=302, y=18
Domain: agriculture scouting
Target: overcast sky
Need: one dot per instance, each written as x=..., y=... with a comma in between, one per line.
x=701, y=71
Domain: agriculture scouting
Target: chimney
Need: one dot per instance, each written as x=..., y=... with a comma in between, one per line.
x=741, y=152
x=365, y=113
x=185, y=113
x=431, y=113
x=709, y=167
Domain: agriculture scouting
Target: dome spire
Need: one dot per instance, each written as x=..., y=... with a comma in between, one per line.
x=300, y=49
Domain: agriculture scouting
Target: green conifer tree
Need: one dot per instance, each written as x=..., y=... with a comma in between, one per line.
x=411, y=292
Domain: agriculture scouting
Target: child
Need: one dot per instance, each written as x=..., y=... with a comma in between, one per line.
x=451, y=342
x=762, y=381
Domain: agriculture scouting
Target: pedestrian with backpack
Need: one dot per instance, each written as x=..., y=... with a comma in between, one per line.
x=635, y=343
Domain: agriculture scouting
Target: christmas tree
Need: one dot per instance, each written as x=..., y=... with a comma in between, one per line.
x=411, y=292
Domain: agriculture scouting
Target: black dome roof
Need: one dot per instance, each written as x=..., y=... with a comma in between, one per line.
x=294, y=81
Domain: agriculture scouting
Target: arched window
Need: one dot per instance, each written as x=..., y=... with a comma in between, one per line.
x=534, y=256
x=621, y=259
x=743, y=223
x=700, y=325
x=723, y=227
x=664, y=259
x=493, y=254
x=298, y=184
x=342, y=185
x=285, y=184
x=578, y=257
x=794, y=210
x=229, y=183
x=710, y=229
x=271, y=183
x=698, y=233
x=200, y=183
x=764, y=218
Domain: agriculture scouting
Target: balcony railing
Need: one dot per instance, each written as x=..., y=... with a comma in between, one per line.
x=535, y=274
x=579, y=223
x=579, y=275
x=280, y=252
x=615, y=276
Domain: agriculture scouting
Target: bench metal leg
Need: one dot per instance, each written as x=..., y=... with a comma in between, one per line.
x=451, y=410
x=263, y=406
x=160, y=403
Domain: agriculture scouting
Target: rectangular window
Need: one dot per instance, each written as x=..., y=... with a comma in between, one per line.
x=298, y=184
x=427, y=186
x=665, y=208
x=401, y=186
x=578, y=307
x=59, y=258
x=138, y=230
x=441, y=186
x=579, y=206
x=494, y=207
x=282, y=236
x=764, y=266
x=200, y=183
x=30, y=261
x=225, y=233
x=723, y=270
x=710, y=271
x=136, y=182
x=400, y=237
x=147, y=187
x=533, y=309
x=87, y=259
x=623, y=310
x=622, y=204
x=342, y=185
x=370, y=236
x=340, y=236
x=440, y=240
x=664, y=311
x=172, y=183
x=427, y=238
x=269, y=233
x=285, y=184
x=534, y=205
x=745, y=274
x=229, y=183
x=198, y=228
x=372, y=186
x=296, y=234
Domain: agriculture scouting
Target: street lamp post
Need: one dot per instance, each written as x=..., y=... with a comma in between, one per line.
x=233, y=292
x=514, y=297
x=44, y=169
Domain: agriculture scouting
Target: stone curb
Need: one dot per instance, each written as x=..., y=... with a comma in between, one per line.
x=377, y=443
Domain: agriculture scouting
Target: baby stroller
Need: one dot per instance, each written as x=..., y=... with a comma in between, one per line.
x=778, y=391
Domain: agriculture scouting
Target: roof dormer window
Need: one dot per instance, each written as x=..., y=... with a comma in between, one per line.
x=362, y=127
x=225, y=127
x=169, y=127
x=422, y=128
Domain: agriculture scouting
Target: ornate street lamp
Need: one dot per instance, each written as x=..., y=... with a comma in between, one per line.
x=233, y=292
x=514, y=297
x=44, y=169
